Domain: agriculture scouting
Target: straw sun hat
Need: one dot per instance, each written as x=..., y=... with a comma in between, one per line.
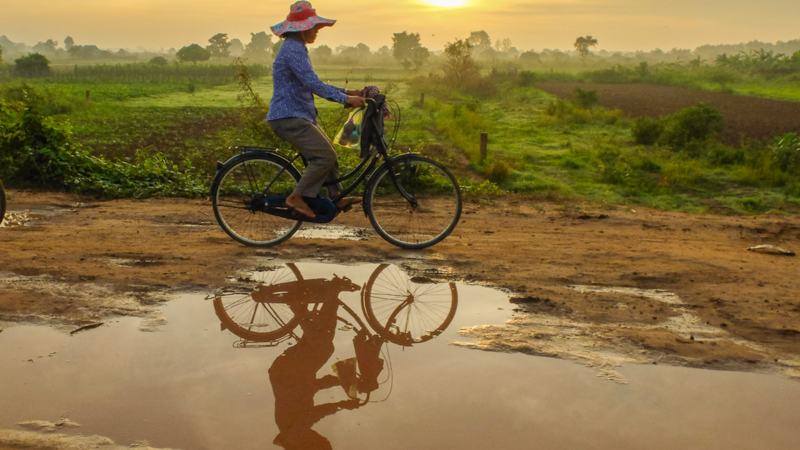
x=302, y=16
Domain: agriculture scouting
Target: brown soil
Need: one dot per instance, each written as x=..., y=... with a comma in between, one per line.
x=745, y=117
x=83, y=261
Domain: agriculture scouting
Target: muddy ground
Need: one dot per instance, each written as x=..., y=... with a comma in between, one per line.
x=745, y=117
x=698, y=298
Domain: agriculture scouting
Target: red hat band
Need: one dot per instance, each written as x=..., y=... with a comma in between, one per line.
x=301, y=15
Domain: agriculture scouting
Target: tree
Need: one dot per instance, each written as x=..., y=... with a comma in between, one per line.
x=582, y=45
x=259, y=46
x=236, y=48
x=421, y=54
x=219, y=45
x=323, y=54
x=1, y=55
x=33, y=65
x=276, y=47
x=459, y=67
x=407, y=49
x=193, y=53
x=363, y=50
x=69, y=42
x=479, y=40
x=530, y=57
x=48, y=46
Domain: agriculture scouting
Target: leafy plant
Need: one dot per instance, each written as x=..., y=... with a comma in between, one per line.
x=787, y=152
x=646, y=130
x=696, y=123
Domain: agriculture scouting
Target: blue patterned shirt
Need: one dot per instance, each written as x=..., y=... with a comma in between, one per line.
x=294, y=84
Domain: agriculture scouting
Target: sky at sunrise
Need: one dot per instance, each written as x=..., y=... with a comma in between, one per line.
x=533, y=24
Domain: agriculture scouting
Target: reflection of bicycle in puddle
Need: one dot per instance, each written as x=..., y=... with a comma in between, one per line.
x=284, y=306
x=401, y=310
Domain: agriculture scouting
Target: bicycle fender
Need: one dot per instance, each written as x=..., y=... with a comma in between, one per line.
x=234, y=159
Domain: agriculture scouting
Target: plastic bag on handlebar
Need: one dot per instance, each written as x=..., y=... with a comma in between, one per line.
x=350, y=134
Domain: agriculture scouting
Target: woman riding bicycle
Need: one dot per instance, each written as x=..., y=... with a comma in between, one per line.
x=292, y=114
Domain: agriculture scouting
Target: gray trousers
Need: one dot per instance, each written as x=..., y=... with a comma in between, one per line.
x=316, y=148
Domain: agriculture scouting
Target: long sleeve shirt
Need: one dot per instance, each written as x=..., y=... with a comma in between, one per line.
x=295, y=83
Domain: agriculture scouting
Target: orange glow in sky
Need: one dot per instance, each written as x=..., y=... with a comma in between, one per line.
x=530, y=24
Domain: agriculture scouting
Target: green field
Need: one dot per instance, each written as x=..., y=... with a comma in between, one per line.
x=178, y=125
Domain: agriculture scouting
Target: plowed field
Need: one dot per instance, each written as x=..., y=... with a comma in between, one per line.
x=745, y=117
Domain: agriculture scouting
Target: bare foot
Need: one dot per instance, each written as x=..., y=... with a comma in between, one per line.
x=295, y=201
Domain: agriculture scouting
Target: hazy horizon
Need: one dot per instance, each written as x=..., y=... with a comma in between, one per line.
x=618, y=25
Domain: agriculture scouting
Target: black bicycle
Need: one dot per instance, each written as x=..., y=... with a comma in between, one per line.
x=411, y=201
x=2, y=203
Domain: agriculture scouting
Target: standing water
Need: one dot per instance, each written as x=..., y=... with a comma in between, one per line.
x=279, y=361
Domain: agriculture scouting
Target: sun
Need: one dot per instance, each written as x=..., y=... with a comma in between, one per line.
x=447, y=3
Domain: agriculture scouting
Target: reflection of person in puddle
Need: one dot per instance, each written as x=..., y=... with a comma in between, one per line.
x=294, y=378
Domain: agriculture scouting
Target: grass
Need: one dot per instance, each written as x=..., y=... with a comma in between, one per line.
x=537, y=143
x=561, y=149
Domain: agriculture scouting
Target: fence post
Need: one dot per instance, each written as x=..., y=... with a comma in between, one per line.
x=484, y=145
x=88, y=94
x=421, y=100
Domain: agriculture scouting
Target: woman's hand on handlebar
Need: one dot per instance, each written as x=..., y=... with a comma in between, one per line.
x=358, y=93
x=355, y=101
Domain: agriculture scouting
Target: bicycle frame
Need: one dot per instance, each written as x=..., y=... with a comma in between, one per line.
x=368, y=164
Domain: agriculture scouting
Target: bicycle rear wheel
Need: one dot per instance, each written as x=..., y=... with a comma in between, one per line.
x=436, y=199
x=238, y=194
x=254, y=316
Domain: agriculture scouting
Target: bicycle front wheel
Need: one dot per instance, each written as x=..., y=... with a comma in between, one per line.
x=238, y=194
x=428, y=217
x=408, y=311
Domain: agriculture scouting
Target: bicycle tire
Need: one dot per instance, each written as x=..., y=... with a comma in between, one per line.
x=235, y=192
x=431, y=185
x=405, y=312
x=239, y=312
x=2, y=203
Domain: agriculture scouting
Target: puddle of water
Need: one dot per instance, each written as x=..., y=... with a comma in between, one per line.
x=192, y=383
x=334, y=232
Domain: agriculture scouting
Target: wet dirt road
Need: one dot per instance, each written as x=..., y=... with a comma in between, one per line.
x=627, y=299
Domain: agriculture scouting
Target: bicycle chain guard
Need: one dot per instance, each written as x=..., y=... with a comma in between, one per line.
x=324, y=209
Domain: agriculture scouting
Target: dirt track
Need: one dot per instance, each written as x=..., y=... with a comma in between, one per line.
x=745, y=117
x=86, y=260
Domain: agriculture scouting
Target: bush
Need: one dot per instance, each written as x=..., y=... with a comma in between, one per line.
x=586, y=99
x=35, y=151
x=159, y=61
x=646, y=131
x=43, y=101
x=34, y=65
x=697, y=123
